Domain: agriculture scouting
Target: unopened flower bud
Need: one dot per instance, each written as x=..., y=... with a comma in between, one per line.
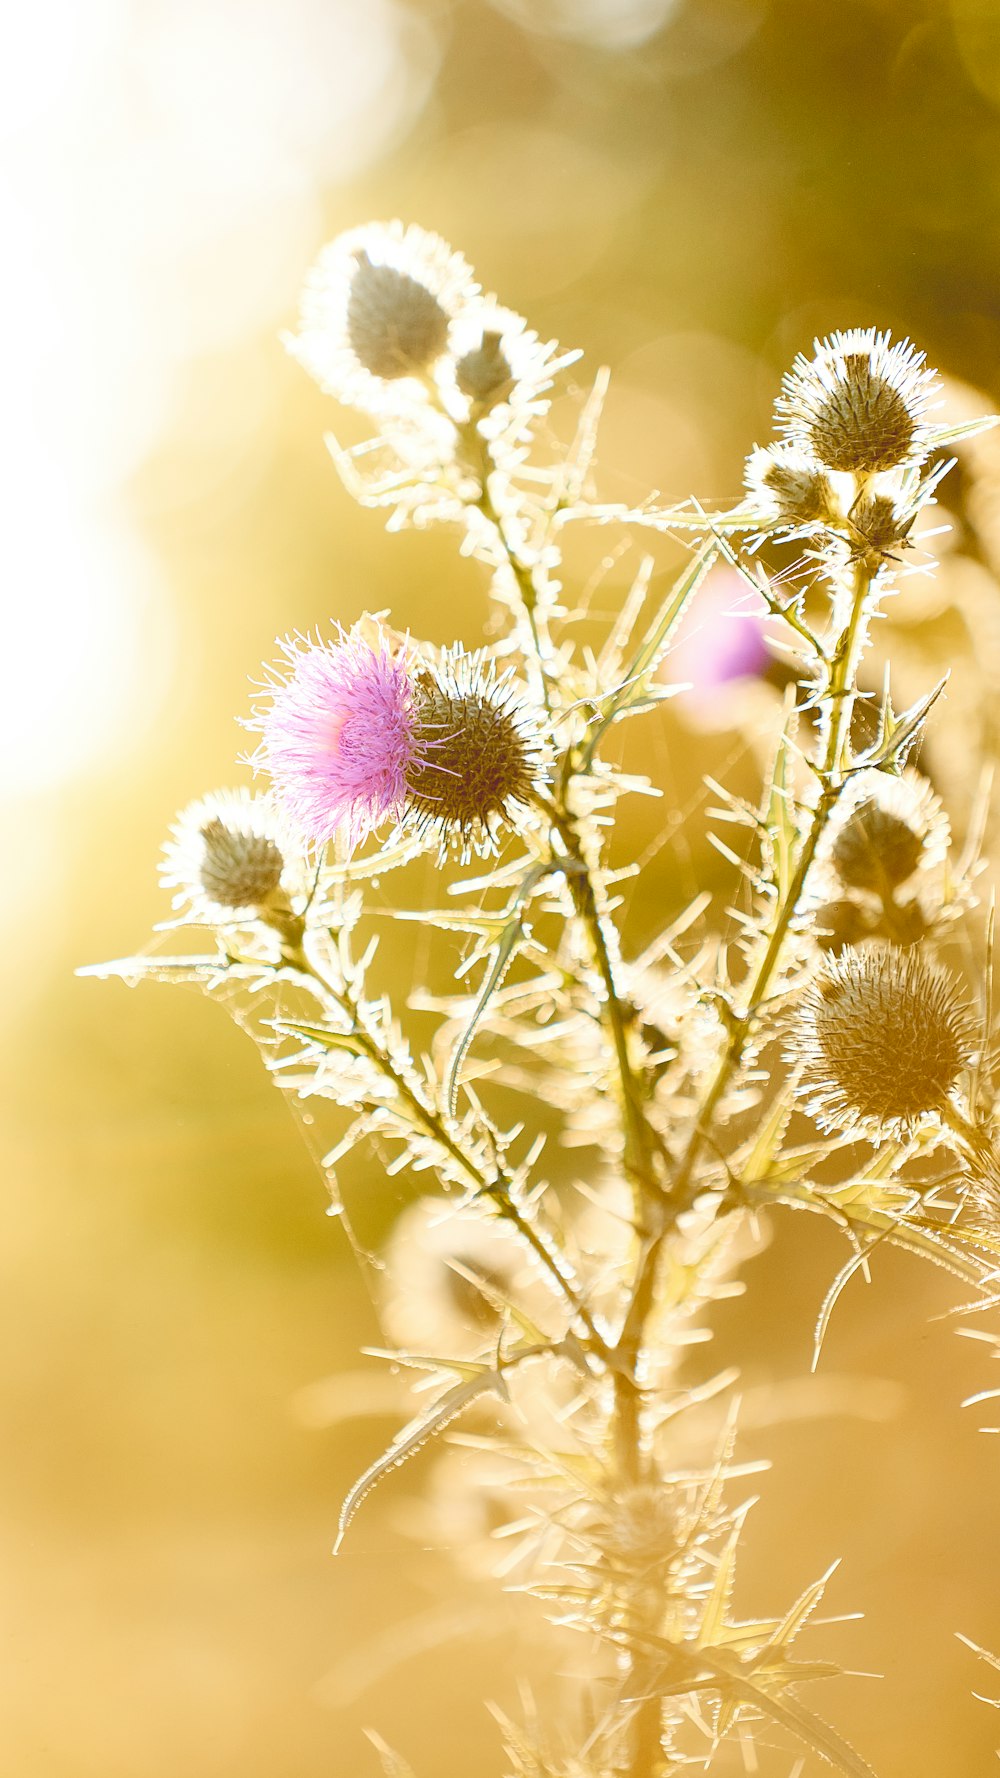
x=638, y=1527
x=838, y=924
x=396, y=326
x=238, y=870
x=883, y=1036
x=880, y=526
x=473, y=760
x=790, y=488
x=859, y=404
x=875, y=849
x=224, y=856
x=483, y=373
x=376, y=313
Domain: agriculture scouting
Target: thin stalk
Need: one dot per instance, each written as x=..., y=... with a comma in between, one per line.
x=645, y=1737
x=484, y=463
x=498, y=1189
x=642, y=1141
x=979, y=1147
x=842, y=668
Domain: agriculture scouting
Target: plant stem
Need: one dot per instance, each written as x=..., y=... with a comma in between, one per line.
x=498, y=1189
x=485, y=464
x=642, y=1142
x=842, y=668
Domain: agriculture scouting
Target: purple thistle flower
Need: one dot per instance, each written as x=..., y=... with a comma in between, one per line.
x=338, y=737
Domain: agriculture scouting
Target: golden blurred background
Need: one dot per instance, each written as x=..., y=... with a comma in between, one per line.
x=688, y=190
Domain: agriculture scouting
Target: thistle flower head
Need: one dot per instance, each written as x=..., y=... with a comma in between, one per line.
x=376, y=312
x=884, y=829
x=434, y=1256
x=883, y=1036
x=224, y=856
x=338, y=735
x=859, y=404
x=475, y=758
x=499, y=363
x=839, y=923
x=880, y=524
x=790, y=489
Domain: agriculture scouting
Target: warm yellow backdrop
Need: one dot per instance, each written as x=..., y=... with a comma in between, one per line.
x=688, y=189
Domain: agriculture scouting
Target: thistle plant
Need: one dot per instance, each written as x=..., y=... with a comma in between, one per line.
x=826, y=1044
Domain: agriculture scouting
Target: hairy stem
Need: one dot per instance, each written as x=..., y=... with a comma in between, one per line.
x=524, y=575
x=643, y=1145
x=842, y=667
x=498, y=1189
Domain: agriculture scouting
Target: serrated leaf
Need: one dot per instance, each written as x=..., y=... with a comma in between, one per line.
x=802, y=1610
x=757, y=1160
x=779, y=810
x=414, y=1436
x=375, y=865
x=152, y=968
x=691, y=517
x=504, y=953
x=581, y=452
x=651, y=650
x=485, y=925
x=713, y=1615
x=325, y=1037
x=947, y=435
x=500, y=1304
x=898, y=733
x=803, y=1723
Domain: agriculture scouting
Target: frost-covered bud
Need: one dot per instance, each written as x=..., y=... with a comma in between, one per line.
x=474, y=759
x=882, y=1037
x=875, y=849
x=224, y=856
x=859, y=404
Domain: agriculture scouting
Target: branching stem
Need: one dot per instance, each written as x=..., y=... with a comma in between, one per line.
x=841, y=666
x=499, y=1188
